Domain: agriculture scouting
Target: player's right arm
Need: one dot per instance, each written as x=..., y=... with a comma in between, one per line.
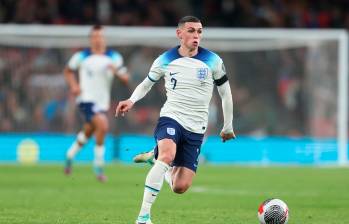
x=71, y=80
x=141, y=90
x=69, y=74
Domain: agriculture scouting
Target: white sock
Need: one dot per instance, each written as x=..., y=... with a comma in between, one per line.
x=153, y=184
x=73, y=150
x=77, y=145
x=168, y=176
x=99, y=155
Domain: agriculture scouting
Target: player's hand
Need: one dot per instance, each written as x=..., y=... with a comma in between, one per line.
x=112, y=68
x=227, y=136
x=123, y=107
x=75, y=90
x=124, y=79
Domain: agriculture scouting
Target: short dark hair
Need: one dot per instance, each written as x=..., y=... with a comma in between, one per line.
x=95, y=27
x=187, y=19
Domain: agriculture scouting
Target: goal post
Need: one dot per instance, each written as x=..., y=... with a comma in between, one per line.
x=222, y=40
x=343, y=99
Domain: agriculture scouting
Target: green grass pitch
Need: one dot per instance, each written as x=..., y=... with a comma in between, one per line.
x=219, y=195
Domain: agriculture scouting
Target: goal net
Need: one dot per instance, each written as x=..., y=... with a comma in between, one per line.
x=285, y=83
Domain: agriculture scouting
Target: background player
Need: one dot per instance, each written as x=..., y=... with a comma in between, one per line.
x=96, y=67
x=190, y=73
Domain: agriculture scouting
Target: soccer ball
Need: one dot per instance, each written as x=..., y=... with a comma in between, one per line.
x=273, y=211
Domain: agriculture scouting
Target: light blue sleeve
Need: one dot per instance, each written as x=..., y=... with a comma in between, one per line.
x=118, y=62
x=117, y=59
x=156, y=71
x=75, y=61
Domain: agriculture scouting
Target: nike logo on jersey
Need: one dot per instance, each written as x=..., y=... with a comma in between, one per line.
x=173, y=73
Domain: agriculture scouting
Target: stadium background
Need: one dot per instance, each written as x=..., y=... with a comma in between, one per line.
x=280, y=118
x=270, y=88
x=274, y=98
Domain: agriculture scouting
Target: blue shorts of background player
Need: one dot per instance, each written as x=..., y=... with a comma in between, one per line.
x=88, y=110
x=188, y=143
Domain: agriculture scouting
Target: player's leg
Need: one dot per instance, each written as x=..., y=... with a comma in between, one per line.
x=179, y=179
x=186, y=162
x=100, y=123
x=81, y=139
x=182, y=179
x=153, y=183
x=149, y=157
x=168, y=136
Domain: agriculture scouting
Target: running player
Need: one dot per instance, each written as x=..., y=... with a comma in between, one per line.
x=97, y=67
x=190, y=73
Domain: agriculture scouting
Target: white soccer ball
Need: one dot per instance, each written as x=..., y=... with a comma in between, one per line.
x=273, y=211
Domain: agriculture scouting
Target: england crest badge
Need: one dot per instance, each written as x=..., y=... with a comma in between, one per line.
x=202, y=74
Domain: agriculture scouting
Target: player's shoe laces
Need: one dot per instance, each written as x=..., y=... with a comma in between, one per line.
x=144, y=219
x=144, y=157
x=100, y=174
x=68, y=166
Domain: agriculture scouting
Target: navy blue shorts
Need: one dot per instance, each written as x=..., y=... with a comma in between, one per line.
x=188, y=143
x=88, y=110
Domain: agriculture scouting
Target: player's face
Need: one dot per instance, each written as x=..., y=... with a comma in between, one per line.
x=97, y=39
x=190, y=34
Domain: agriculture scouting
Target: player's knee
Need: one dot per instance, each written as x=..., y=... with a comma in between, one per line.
x=101, y=123
x=167, y=150
x=180, y=188
x=102, y=128
x=166, y=157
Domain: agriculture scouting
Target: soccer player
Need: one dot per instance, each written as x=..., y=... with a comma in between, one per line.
x=97, y=67
x=190, y=73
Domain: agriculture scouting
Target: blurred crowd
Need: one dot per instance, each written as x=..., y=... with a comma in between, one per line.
x=272, y=89
x=273, y=92
x=224, y=13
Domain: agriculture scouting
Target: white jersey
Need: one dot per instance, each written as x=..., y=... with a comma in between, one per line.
x=189, y=83
x=96, y=76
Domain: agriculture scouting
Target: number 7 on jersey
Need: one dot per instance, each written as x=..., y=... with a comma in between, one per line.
x=174, y=81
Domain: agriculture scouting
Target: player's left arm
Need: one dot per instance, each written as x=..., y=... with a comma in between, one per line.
x=223, y=86
x=122, y=74
x=118, y=68
x=227, y=105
